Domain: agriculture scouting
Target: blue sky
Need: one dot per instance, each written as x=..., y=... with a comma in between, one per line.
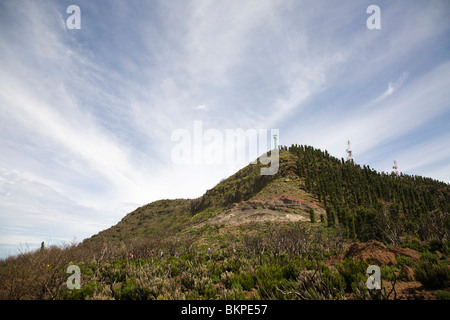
x=86, y=116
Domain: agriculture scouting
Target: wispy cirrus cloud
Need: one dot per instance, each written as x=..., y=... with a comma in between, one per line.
x=202, y=107
x=32, y=211
x=392, y=86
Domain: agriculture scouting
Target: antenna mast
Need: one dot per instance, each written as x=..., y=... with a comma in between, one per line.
x=395, y=167
x=349, y=152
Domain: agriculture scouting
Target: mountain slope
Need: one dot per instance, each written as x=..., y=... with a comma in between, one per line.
x=245, y=188
x=300, y=234
x=371, y=205
x=361, y=202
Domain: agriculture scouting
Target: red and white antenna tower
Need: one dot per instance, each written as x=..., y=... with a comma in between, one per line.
x=395, y=167
x=349, y=151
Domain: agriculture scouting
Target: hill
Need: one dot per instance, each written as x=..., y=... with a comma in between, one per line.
x=308, y=232
x=246, y=197
x=361, y=202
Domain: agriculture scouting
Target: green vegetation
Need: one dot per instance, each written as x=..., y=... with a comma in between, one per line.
x=312, y=216
x=372, y=205
x=442, y=295
x=264, y=265
x=239, y=187
x=353, y=272
x=169, y=239
x=432, y=273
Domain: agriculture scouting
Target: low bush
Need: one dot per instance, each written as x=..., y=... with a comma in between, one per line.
x=269, y=277
x=320, y=284
x=353, y=272
x=389, y=272
x=442, y=295
x=404, y=261
x=433, y=275
x=246, y=280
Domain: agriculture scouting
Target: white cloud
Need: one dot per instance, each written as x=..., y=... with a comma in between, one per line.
x=393, y=86
x=87, y=116
x=202, y=107
x=218, y=34
x=31, y=212
x=380, y=122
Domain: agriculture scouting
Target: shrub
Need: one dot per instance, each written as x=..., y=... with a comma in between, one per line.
x=236, y=285
x=85, y=292
x=353, y=271
x=433, y=275
x=312, y=217
x=412, y=242
x=331, y=285
x=205, y=288
x=404, y=261
x=246, y=280
x=232, y=294
x=436, y=244
x=387, y=272
x=290, y=271
x=335, y=283
x=442, y=295
x=269, y=277
x=187, y=280
x=128, y=290
x=232, y=264
x=320, y=284
x=429, y=257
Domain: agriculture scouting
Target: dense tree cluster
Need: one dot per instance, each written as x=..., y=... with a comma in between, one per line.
x=372, y=205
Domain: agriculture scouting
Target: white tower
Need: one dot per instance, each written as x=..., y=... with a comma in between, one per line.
x=349, y=152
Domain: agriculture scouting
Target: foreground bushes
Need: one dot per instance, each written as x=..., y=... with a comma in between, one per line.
x=226, y=275
x=285, y=262
x=432, y=273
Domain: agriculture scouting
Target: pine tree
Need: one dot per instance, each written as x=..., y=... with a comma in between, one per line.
x=330, y=217
x=312, y=217
x=356, y=196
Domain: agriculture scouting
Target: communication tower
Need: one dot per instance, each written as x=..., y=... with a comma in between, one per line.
x=395, y=167
x=349, y=152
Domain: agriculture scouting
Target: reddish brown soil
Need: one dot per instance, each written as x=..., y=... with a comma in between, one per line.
x=378, y=253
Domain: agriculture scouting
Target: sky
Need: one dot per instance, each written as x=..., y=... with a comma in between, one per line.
x=88, y=115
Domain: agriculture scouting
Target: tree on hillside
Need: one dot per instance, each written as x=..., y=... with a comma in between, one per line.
x=312, y=217
x=391, y=223
x=368, y=204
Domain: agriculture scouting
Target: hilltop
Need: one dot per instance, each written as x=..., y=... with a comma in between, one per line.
x=245, y=197
x=307, y=232
x=361, y=202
